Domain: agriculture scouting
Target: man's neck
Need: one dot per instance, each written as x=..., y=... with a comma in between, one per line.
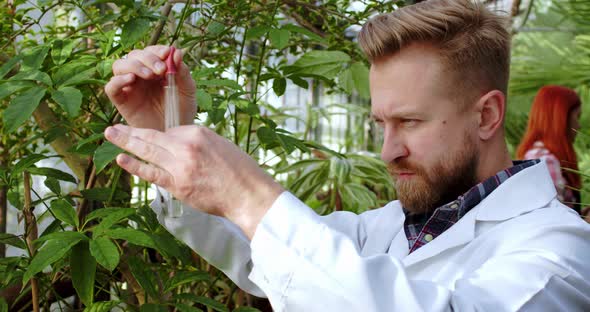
x=493, y=160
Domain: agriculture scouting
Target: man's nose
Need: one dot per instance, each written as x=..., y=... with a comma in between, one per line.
x=393, y=148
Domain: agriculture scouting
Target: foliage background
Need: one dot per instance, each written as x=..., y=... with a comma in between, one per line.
x=283, y=79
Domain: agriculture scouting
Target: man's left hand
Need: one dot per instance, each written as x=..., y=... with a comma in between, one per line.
x=200, y=168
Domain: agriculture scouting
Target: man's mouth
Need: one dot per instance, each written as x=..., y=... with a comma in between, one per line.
x=403, y=174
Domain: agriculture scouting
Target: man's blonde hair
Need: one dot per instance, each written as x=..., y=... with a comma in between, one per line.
x=474, y=43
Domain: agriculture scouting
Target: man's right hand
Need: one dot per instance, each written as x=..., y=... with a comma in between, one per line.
x=137, y=87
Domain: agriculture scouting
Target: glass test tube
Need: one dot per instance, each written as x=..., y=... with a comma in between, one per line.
x=172, y=119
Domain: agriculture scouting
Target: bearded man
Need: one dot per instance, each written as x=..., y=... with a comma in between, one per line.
x=472, y=229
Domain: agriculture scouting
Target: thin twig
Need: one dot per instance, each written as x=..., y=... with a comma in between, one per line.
x=158, y=30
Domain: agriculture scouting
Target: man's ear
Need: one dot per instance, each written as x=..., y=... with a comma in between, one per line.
x=491, y=108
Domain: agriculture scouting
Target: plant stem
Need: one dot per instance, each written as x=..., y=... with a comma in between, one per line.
x=83, y=211
x=238, y=69
x=239, y=65
x=180, y=22
x=257, y=81
x=158, y=30
x=31, y=235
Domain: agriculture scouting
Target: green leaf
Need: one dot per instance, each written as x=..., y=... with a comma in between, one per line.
x=215, y=28
x=11, y=87
x=360, y=76
x=64, y=211
x=88, y=144
x=208, y=302
x=54, y=226
x=113, y=218
x=303, y=31
x=279, y=38
x=21, y=108
x=169, y=247
x=15, y=200
x=53, y=185
x=288, y=143
x=133, y=236
x=9, y=65
x=105, y=252
x=181, y=278
x=318, y=57
x=50, y=253
x=346, y=81
x=325, y=64
x=204, y=72
x=102, y=306
x=300, y=82
x=53, y=173
x=33, y=75
x=219, y=83
x=83, y=268
x=79, y=78
x=256, y=32
x=204, y=100
x=268, y=138
x=12, y=240
x=301, y=165
x=186, y=308
x=104, y=154
x=105, y=212
x=143, y=275
x=152, y=307
x=70, y=100
x=279, y=85
x=61, y=50
x=103, y=194
x=26, y=163
x=3, y=305
x=134, y=30
x=73, y=74
x=105, y=68
x=33, y=59
x=65, y=236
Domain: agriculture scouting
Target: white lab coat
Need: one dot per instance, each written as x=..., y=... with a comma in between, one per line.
x=520, y=249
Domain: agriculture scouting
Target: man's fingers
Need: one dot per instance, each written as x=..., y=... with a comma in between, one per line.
x=150, y=145
x=148, y=172
x=134, y=66
x=149, y=60
x=115, y=88
x=160, y=50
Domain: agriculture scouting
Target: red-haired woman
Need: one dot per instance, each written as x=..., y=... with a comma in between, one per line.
x=553, y=124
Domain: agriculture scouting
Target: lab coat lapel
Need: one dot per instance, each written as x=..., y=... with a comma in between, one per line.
x=527, y=190
x=459, y=234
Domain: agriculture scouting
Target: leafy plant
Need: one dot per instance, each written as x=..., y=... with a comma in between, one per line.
x=104, y=245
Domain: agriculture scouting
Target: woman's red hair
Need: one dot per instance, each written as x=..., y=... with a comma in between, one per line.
x=549, y=123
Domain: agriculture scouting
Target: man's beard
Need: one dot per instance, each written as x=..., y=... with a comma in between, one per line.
x=431, y=188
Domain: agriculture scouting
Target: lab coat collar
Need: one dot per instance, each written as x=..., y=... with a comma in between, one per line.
x=527, y=190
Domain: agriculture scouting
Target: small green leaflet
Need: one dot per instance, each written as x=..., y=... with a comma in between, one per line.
x=22, y=107
x=105, y=252
x=104, y=154
x=70, y=100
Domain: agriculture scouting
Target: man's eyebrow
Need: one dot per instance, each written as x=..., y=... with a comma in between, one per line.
x=396, y=115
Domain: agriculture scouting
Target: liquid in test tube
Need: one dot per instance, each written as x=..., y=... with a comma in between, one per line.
x=172, y=119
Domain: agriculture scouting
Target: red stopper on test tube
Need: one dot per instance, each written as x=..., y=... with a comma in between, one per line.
x=170, y=66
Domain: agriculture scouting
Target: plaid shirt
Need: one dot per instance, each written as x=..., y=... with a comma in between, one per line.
x=423, y=228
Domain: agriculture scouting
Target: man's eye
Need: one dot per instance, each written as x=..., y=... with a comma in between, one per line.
x=409, y=122
x=379, y=123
